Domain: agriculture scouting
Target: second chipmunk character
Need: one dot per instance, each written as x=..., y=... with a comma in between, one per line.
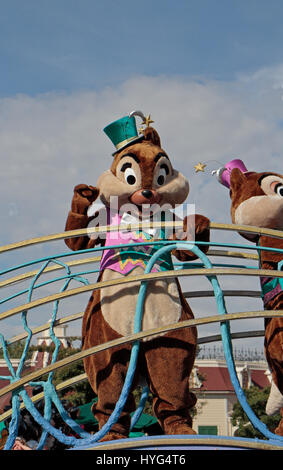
x=141, y=178
x=257, y=200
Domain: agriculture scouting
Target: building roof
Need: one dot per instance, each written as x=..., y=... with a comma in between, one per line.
x=259, y=378
x=217, y=379
x=4, y=371
x=214, y=375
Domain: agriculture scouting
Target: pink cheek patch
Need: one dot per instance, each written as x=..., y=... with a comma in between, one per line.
x=274, y=184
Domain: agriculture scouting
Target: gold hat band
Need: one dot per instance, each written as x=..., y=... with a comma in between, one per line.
x=124, y=142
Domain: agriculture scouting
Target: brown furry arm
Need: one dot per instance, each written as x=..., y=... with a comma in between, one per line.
x=195, y=227
x=270, y=259
x=77, y=218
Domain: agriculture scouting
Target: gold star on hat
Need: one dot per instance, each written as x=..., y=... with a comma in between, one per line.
x=148, y=121
x=199, y=167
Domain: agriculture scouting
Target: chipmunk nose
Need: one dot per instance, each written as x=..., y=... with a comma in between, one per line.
x=145, y=196
x=147, y=193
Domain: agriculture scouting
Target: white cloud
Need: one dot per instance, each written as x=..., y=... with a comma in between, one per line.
x=50, y=143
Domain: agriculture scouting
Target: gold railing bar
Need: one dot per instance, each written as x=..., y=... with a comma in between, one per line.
x=161, y=442
x=237, y=335
x=135, y=337
x=45, y=326
x=80, y=232
x=228, y=293
x=82, y=377
x=24, y=276
x=48, y=269
x=247, y=229
x=142, y=277
x=108, y=228
x=40, y=396
x=232, y=254
x=189, y=295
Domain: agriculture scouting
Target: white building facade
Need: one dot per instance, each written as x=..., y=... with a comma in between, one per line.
x=216, y=396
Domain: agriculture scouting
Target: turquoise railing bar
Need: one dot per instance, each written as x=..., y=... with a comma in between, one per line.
x=50, y=281
x=49, y=389
x=165, y=242
x=137, y=414
x=225, y=333
x=50, y=392
x=95, y=271
x=226, y=338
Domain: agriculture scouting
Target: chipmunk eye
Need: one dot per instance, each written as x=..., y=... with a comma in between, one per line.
x=279, y=189
x=162, y=173
x=130, y=176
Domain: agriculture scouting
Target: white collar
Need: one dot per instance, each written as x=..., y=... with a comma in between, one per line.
x=132, y=219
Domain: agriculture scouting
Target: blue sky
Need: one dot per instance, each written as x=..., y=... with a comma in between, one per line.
x=210, y=73
x=68, y=45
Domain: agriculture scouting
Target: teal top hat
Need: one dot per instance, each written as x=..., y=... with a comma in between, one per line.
x=123, y=132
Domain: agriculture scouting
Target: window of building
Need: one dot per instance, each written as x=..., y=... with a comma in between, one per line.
x=208, y=430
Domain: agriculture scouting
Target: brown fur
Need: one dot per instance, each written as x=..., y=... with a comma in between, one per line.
x=112, y=181
x=256, y=204
x=173, y=352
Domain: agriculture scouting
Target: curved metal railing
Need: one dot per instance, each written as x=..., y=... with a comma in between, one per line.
x=57, y=264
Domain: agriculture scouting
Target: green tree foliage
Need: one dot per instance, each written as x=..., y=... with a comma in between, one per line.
x=15, y=350
x=80, y=393
x=148, y=406
x=77, y=394
x=257, y=399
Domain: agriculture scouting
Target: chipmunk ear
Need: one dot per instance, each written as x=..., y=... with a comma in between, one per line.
x=152, y=135
x=237, y=180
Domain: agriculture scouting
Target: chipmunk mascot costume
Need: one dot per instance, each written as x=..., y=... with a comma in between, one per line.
x=257, y=199
x=141, y=176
